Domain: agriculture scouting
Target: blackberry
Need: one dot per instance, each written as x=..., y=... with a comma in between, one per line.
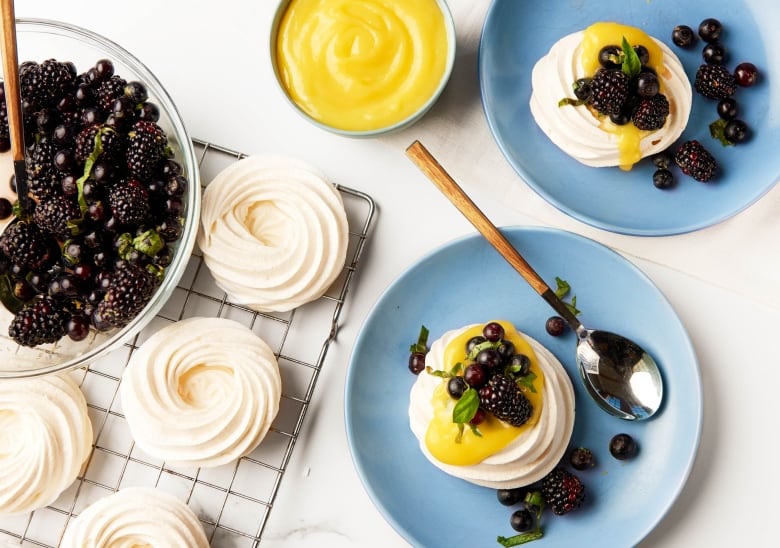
x=112, y=143
x=562, y=491
x=502, y=397
x=43, y=179
x=609, y=90
x=129, y=202
x=56, y=80
x=4, y=133
x=55, y=216
x=145, y=148
x=40, y=322
x=651, y=112
x=715, y=82
x=26, y=245
x=130, y=289
x=109, y=90
x=696, y=161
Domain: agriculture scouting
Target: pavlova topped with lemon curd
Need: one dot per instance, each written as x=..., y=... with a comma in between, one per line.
x=610, y=95
x=493, y=406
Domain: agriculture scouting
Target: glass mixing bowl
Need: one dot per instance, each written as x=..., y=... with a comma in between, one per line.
x=39, y=40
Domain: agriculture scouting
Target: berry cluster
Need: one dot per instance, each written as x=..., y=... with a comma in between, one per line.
x=625, y=88
x=491, y=378
x=714, y=81
x=107, y=201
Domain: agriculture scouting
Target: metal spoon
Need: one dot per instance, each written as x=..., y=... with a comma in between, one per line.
x=620, y=376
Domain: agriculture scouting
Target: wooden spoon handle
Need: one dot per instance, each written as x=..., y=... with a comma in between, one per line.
x=11, y=79
x=439, y=176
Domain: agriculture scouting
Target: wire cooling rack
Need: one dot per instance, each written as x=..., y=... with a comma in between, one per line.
x=233, y=502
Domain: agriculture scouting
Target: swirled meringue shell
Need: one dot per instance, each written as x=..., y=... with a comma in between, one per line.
x=274, y=232
x=201, y=392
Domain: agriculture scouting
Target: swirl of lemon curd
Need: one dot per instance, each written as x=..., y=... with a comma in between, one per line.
x=580, y=132
x=274, y=232
x=45, y=437
x=504, y=456
x=361, y=65
x=136, y=517
x=201, y=392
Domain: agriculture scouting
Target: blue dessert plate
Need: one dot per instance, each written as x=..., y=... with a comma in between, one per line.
x=465, y=282
x=517, y=33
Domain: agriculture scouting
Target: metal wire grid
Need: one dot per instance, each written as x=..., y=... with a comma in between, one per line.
x=234, y=501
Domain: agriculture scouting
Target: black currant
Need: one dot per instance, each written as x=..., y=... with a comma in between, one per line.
x=555, y=326
x=510, y=497
x=622, y=446
x=493, y=332
x=714, y=53
x=416, y=362
x=728, y=108
x=475, y=375
x=610, y=57
x=746, y=74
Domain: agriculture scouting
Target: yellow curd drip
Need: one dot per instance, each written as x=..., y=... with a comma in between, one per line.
x=360, y=65
x=442, y=433
x=603, y=34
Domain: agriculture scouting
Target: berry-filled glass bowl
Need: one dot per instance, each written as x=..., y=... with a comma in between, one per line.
x=115, y=183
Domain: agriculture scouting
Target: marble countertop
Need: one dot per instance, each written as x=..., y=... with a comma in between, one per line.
x=213, y=60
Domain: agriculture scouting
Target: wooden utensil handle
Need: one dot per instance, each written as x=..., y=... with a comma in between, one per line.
x=11, y=79
x=439, y=176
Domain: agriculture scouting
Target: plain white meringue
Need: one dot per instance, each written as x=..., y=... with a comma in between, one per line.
x=274, y=232
x=45, y=438
x=136, y=517
x=201, y=392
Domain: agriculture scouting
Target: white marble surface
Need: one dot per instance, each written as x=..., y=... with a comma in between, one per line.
x=213, y=59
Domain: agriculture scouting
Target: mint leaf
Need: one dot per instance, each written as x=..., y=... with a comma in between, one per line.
x=475, y=431
x=718, y=131
x=456, y=369
x=149, y=242
x=480, y=347
x=572, y=306
x=528, y=382
x=522, y=538
x=631, y=63
x=563, y=287
x=7, y=296
x=573, y=102
x=466, y=407
x=438, y=372
x=421, y=345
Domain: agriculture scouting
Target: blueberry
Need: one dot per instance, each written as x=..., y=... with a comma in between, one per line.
x=581, y=458
x=663, y=178
x=710, y=30
x=647, y=84
x=456, y=386
x=510, y=497
x=736, y=131
x=609, y=57
x=521, y=520
x=683, y=36
x=521, y=363
x=474, y=341
x=643, y=54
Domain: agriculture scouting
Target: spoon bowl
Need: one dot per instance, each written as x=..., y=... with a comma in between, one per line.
x=619, y=375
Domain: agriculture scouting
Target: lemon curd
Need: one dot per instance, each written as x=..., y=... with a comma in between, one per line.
x=362, y=65
x=441, y=437
x=603, y=34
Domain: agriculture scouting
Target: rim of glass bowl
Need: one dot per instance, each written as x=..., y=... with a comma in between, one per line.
x=449, y=23
x=185, y=156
